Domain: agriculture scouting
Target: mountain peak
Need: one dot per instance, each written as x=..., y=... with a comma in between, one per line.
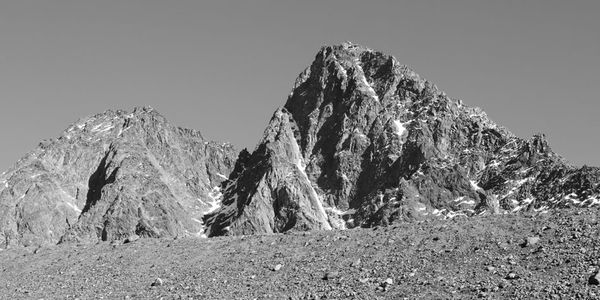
x=111, y=175
x=369, y=141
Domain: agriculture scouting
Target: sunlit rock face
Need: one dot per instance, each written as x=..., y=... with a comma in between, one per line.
x=363, y=140
x=110, y=176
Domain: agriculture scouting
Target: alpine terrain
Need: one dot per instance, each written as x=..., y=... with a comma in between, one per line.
x=364, y=140
x=438, y=202
x=112, y=176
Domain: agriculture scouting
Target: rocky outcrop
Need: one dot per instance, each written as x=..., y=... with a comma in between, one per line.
x=111, y=176
x=363, y=140
x=274, y=184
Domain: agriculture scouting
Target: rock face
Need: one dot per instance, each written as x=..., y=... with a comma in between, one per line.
x=111, y=176
x=363, y=140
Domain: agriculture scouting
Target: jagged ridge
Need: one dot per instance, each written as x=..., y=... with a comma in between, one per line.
x=110, y=176
x=378, y=143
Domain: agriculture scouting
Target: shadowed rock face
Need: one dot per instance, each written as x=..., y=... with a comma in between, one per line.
x=111, y=176
x=363, y=140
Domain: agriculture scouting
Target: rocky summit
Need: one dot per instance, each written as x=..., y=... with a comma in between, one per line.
x=113, y=176
x=364, y=140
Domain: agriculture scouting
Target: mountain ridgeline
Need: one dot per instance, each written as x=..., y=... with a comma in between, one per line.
x=361, y=141
x=112, y=176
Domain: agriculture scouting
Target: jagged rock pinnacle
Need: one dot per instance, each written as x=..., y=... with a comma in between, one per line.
x=113, y=175
x=374, y=142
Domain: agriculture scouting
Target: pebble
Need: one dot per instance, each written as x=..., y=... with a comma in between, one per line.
x=594, y=279
x=331, y=275
x=512, y=276
x=131, y=239
x=277, y=267
x=158, y=282
x=532, y=240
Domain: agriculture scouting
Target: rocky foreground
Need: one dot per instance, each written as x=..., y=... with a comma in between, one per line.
x=532, y=255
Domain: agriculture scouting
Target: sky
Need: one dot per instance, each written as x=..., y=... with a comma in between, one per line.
x=223, y=67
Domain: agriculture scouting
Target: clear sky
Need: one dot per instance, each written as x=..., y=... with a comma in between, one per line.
x=223, y=67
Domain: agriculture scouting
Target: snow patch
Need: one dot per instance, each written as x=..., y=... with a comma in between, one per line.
x=301, y=166
x=103, y=127
x=215, y=195
x=437, y=212
x=319, y=205
x=399, y=128
x=594, y=201
x=459, y=199
x=335, y=210
x=573, y=197
x=467, y=202
x=494, y=163
x=453, y=214
x=475, y=186
x=522, y=181
x=364, y=81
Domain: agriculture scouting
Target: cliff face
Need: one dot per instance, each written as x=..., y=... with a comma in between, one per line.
x=111, y=176
x=363, y=140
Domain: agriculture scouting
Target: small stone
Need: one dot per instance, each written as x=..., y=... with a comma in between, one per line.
x=491, y=268
x=278, y=267
x=158, y=282
x=512, y=276
x=331, y=275
x=388, y=281
x=594, y=279
x=356, y=263
x=363, y=280
x=131, y=239
x=532, y=240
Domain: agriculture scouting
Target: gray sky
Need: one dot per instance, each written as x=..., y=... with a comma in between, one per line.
x=223, y=67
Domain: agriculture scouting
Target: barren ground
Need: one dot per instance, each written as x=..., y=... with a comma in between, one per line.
x=480, y=257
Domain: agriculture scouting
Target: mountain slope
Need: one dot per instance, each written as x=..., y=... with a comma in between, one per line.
x=373, y=142
x=111, y=176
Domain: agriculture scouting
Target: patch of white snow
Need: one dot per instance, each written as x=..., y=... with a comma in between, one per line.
x=399, y=128
x=475, y=186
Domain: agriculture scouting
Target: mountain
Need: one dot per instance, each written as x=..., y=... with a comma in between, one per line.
x=110, y=176
x=363, y=140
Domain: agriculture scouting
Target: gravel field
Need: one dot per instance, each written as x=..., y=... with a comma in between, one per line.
x=528, y=256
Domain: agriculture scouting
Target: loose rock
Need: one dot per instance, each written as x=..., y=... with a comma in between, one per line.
x=131, y=239
x=530, y=241
x=331, y=275
x=594, y=279
x=158, y=282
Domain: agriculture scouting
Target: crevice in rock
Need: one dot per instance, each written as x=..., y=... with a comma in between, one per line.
x=95, y=184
